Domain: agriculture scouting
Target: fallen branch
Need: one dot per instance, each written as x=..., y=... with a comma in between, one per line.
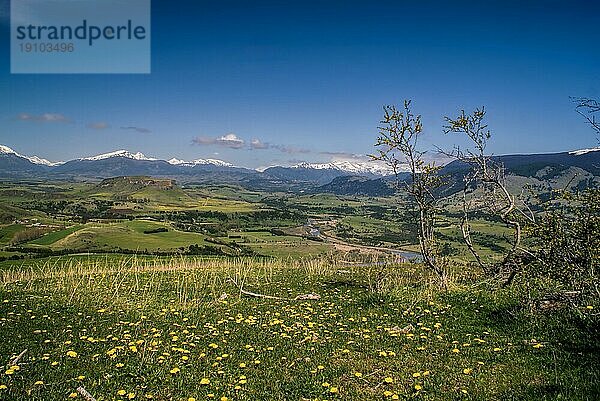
x=253, y=294
x=301, y=297
x=87, y=396
x=16, y=359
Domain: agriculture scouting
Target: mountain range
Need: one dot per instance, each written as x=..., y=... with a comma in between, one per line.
x=374, y=178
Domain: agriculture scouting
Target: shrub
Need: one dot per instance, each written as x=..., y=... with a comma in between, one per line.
x=567, y=242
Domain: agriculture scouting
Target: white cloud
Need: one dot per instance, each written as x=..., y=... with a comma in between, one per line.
x=230, y=141
x=46, y=117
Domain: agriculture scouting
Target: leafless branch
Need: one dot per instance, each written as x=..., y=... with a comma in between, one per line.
x=588, y=108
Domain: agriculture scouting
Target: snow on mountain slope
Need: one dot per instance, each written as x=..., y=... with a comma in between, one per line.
x=178, y=162
x=584, y=151
x=7, y=150
x=33, y=159
x=119, y=153
x=350, y=167
x=40, y=160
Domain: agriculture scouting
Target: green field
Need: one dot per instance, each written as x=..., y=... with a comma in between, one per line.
x=7, y=232
x=129, y=328
x=54, y=236
x=113, y=215
x=283, y=246
x=127, y=235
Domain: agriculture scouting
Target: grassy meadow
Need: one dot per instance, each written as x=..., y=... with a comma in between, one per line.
x=129, y=327
x=137, y=292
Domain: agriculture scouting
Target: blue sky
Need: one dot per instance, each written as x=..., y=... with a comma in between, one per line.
x=261, y=83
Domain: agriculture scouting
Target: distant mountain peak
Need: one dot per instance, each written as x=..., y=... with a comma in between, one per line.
x=119, y=153
x=215, y=162
x=34, y=159
x=176, y=162
x=355, y=167
x=7, y=150
x=40, y=160
x=584, y=151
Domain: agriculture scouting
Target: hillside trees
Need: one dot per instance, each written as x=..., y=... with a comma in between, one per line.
x=567, y=234
x=567, y=242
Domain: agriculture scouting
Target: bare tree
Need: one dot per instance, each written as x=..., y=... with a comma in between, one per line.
x=488, y=175
x=588, y=108
x=399, y=133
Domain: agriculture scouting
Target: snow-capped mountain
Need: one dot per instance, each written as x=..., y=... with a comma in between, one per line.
x=8, y=151
x=34, y=159
x=38, y=160
x=119, y=153
x=215, y=162
x=176, y=162
x=348, y=176
x=353, y=167
x=584, y=151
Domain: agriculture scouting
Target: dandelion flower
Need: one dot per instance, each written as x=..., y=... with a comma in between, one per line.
x=72, y=354
x=388, y=380
x=333, y=390
x=204, y=381
x=467, y=371
x=174, y=371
